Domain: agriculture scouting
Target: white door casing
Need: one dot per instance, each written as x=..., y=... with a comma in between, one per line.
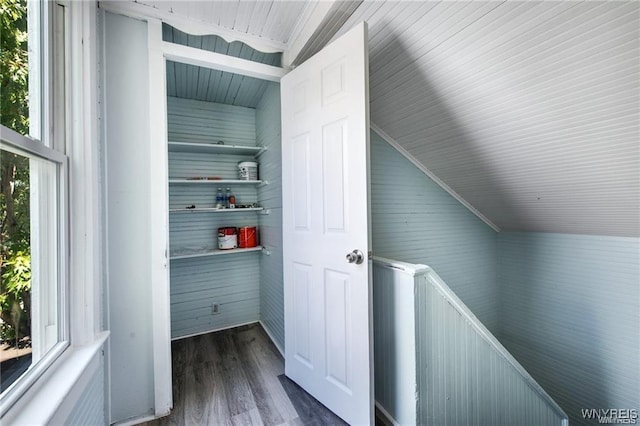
x=325, y=153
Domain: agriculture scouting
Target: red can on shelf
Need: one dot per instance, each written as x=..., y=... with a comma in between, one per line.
x=247, y=236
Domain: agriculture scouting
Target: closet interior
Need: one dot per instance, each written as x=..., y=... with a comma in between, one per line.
x=223, y=139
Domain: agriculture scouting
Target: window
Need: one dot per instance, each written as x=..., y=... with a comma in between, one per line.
x=33, y=176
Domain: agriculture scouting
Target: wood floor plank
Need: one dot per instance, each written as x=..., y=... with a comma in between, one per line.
x=198, y=394
x=264, y=402
x=231, y=378
x=269, y=366
x=239, y=395
x=311, y=411
x=219, y=409
x=249, y=418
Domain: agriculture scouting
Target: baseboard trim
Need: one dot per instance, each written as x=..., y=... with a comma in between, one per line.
x=200, y=333
x=385, y=413
x=266, y=330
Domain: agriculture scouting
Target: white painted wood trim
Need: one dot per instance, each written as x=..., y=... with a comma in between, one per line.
x=159, y=221
x=136, y=420
x=409, y=268
x=215, y=330
x=304, y=30
x=140, y=11
x=432, y=176
x=220, y=62
x=433, y=279
x=386, y=414
x=42, y=402
x=85, y=235
x=105, y=206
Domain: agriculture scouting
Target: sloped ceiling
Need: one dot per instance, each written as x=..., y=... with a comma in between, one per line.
x=528, y=110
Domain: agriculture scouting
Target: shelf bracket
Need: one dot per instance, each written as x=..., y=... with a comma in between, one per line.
x=264, y=211
x=266, y=251
x=263, y=183
x=262, y=151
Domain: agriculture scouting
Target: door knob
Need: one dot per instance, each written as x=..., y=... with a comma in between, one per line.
x=356, y=257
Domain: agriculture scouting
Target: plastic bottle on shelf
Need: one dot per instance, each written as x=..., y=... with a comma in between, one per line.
x=232, y=201
x=227, y=198
x=219, y=199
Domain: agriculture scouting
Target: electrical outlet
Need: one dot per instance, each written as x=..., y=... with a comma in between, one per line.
x=215, y=308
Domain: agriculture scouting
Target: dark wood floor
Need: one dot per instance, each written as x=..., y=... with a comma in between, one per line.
x=235, y=377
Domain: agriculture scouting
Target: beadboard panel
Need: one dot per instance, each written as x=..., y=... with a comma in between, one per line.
x=465, y=377
x=200, y=230
x=268, y=131
x=190, y=120
x=232, y=280
x=269, y=20
x=194, y=82
x=528, y=110
x=204, y=195
x=89, y=410
x=416, y=221
x=570, y=316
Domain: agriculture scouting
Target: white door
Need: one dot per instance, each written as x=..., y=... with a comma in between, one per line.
x=325, y=158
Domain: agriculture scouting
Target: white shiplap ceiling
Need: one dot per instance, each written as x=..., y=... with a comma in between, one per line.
x=269, y=20
x=204, y=84
x=527, y=110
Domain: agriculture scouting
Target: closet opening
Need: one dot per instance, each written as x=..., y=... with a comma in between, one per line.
x=225, y=251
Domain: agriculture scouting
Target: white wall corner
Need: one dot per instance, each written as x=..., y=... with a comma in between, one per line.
x=432, y=176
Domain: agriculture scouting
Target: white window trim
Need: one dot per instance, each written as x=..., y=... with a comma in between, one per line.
x=59, y=372
x=13, y=141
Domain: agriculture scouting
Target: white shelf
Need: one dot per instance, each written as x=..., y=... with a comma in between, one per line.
x=214, y=148
x=191, y=253
x=220, y=181
x=214, y=210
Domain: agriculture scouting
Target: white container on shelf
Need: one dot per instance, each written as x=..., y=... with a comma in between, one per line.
x=248, y=170
x=227, y=238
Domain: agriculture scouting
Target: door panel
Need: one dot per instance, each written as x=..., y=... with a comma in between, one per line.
x=325, y=149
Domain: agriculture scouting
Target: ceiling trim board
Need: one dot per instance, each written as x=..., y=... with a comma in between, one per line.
x=332, y=22
x=432, y=176
x=305, y=29
x=220, y=62
x=189, y=26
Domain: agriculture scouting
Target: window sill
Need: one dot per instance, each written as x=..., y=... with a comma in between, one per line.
x=51, y=396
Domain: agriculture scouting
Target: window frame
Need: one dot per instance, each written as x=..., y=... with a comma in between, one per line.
x=49, y=89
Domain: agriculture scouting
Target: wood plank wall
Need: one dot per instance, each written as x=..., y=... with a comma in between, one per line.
x=416, y=221
x=570, y=316
x=233, y=280
x=90, y=408
x=268, y=131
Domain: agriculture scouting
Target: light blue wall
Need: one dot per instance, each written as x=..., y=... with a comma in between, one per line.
x=89, y=409
x=128, y=185
x=232, y=280
x=416, y=221
x=268, y=133
x=413, y=220
x=571, y=313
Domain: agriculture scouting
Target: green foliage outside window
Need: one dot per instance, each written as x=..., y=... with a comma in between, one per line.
x=15, y=256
